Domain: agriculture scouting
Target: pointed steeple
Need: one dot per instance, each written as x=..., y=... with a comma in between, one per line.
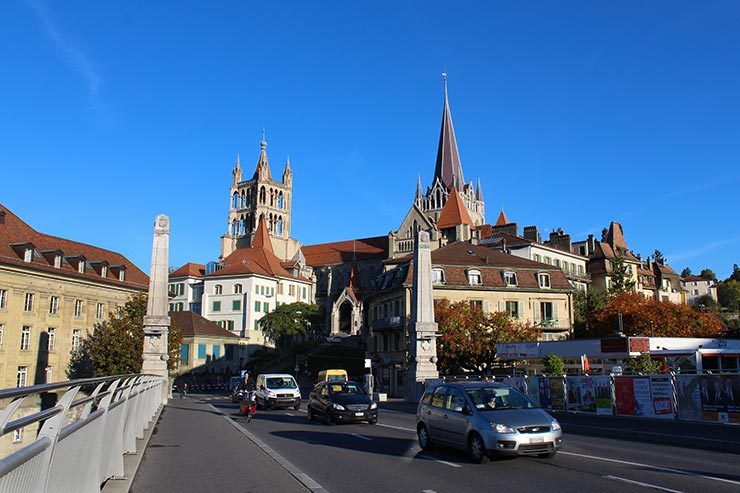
x=262, y=237
x=448, y=168
x=287, y=172
x=263, y=165
x=237, y=172
x=454, y=212
x=502, y=219
x=479, y=191
x=419, y=195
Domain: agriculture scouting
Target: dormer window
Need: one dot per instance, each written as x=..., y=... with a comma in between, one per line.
x=58, y=261
x=104, y=271
x=544, y=280
x=122, y=275
x=81, y=266
x=474, y=278
x=28, y=255
x=510, y=278
x=438, y=276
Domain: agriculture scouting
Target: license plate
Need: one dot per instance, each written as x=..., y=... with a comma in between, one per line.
x=537, y=440
x=359, y=414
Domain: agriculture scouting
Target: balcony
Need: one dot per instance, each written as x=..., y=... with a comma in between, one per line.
x=551, y=323
x=388, y=323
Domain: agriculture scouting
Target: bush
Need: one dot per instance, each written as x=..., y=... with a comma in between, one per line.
x=554, y=365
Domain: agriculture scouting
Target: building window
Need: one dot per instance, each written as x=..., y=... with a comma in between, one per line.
x=49, y=376
x=3, y=298
x=184, y=353
x=218, y=289
x=28, y=304
x=262, y=290
x=58, y=261
x=237, y=289
x=280, y=288
x=257, y=306
x=580, y=270
x=512, y=309
x=303, y=292
x=53, y=305
x=476, y=305
x=474, y=278
x=510, y=278
x=438, y=276
x=557, y=263
x=2, y=334
x=544, y=280
x=291, y=290
x=696, y=292
x=81, y=267
x=201, y=351
x=25, y=338
x=256, y=325
x=266, y=307
x=216, y=306
x=28, y=255
x=230, y=325
x=21, y=378
x=99, y=311
x=546, y=311
x=104, y=271
x=78, y=308
x=236, y=305
x=548, y=260
x=216, y=352
x=75, y=339
x=52, y=333
x=122, y=275
x=537, y=257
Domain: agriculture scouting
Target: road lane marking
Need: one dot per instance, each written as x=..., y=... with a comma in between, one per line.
x=362, y=437
x=396, y=427
x=640, y=483
x=428, y=491
x=648, y=466
x=301, y=476
x=451, y=464
x=289, y=414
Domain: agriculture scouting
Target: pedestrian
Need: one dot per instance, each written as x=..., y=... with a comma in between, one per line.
x=184, y=390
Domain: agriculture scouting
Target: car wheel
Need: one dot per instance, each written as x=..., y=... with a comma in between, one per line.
x=330, y=419
x=476, y=448
x=297, y=406
x=548, y=455
x=424, y=441
x=309, y=414
x=372, y=421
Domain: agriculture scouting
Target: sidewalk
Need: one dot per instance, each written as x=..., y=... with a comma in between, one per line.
x=194, y=449
x=705, y=436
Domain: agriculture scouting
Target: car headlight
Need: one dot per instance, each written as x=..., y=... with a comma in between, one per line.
x=374, y=405
x=271, y=394
x=555, y=425
x=502, y=428
x=338, y=407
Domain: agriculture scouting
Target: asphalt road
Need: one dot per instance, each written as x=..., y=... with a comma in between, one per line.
x=386, y=457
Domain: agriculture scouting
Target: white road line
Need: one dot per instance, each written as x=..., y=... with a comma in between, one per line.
x=428, y=491
x=362, y=437
x=640, y=483
x=304, y=478
x=396, y=427
x=289, y=414
x=451, y=464
x=648, y=466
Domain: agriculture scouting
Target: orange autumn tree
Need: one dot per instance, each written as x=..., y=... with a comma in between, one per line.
x=647, y=317
x=468, y=336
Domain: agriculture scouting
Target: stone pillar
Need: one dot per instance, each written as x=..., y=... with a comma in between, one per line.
x=422, y=327
x=156, y=320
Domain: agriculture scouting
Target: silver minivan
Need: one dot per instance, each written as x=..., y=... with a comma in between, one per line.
x=486, y=419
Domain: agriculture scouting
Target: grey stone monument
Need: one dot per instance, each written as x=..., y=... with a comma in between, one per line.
x=422, y=327
x=156, y=320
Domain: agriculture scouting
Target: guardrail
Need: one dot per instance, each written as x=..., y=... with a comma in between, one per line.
x=81, y=440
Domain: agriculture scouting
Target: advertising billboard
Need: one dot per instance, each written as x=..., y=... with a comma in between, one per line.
x=650, y=397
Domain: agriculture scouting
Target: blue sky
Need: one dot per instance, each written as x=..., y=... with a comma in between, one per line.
x=573, y=114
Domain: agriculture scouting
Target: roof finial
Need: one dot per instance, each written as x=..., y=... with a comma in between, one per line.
x=444, y=80
x=263, y=143
x=238, y=161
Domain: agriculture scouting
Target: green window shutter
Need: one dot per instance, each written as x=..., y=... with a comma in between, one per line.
x=257, y=306
x=216, y=306
x=266, y=306
x=236, y=305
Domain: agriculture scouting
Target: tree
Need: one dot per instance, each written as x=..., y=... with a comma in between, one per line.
x=728, y=293
x=115, y=346
x=686, y=272
x=584, y=304
x=647, y=317
x=620, y=275
x=468, y=336
x=658, y=256
x=643, y=365
x=705, y=303
x=708, y=274
x=735, y=273
x=290, y=321
x=554, y=365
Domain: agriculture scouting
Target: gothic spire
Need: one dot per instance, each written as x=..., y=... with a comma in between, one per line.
x=419, y=195
x=479, y=191
x=262, y=162
x=448, y=168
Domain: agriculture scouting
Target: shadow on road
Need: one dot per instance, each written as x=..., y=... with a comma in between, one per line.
x=380, y=445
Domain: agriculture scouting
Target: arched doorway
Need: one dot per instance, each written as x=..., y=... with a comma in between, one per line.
x=345, y=317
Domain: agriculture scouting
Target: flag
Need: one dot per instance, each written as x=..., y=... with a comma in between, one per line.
x=585, y=366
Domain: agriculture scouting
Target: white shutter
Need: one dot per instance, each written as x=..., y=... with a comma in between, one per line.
x=502, y=306
x=555, y=313
x=520, y=309
x=486, y=306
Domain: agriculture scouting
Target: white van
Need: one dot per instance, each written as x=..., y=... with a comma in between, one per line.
x=277, y=390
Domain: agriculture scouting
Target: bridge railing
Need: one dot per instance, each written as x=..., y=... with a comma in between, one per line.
x=82, y=435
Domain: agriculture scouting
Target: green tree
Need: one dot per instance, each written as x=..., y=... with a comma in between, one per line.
x=728, y=292
x=643, y=365
x=658, y=256
x=708, y=274
x=620, y=275
x=705, y=303
x=115, y=346
x=554, y=365
x=290, y=321
x=735, y=273
x=584, y=304
x=686, y=272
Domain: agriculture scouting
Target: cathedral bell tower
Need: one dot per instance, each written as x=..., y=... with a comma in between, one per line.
x=260, y=197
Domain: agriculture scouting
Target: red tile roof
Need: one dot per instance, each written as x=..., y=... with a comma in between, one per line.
x=502, y=219
x=693, y=278
x=338, y=252
x=191, y=325
x=14, y=231
x=190, y=269
x=454, y=212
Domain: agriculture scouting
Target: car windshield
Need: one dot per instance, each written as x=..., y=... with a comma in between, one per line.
x=335, y=378
x=496, y=398
x=280, y=383
x=345, y=388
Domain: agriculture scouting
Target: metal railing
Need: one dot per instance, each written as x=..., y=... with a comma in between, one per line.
x=81, y=441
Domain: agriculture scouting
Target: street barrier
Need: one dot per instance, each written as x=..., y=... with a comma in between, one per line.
x=707, y=398
x=81, y=440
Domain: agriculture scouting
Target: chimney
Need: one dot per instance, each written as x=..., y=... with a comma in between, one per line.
x=532, y=234
x=511, y=229
x=560, y=240
x=590, y=245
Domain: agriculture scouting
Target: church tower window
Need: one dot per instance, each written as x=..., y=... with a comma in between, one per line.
x=280, y=226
